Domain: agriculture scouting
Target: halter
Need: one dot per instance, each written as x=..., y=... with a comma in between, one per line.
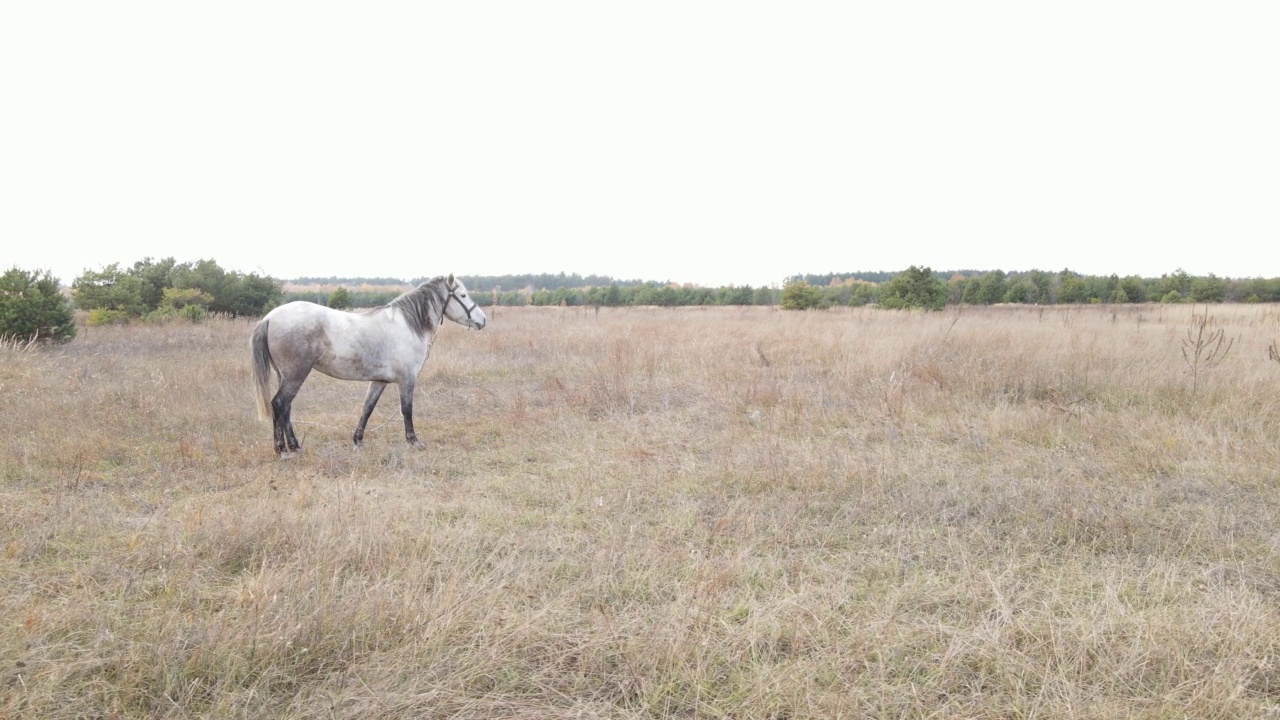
x=453, y=295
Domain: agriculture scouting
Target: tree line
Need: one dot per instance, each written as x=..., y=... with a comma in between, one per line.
x=485, y=283
x=163, y=289
x=490, y=289
x=914, y=287
x=922, y=287
x=33, y=305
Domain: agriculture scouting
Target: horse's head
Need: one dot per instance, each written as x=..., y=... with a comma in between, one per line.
x=459, y=307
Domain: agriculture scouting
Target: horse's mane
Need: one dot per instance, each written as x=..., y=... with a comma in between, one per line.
x=423, y=305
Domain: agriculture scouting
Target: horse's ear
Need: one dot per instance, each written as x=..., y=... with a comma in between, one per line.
x=452, y=283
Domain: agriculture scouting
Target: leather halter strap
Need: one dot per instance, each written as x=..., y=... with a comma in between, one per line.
x=453, y=295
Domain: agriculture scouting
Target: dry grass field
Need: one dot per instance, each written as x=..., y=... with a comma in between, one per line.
x=642, y=513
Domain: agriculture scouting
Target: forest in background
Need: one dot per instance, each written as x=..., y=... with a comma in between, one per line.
x=914, y=287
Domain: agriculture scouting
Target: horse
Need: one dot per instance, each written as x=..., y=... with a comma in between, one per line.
x=387, y=344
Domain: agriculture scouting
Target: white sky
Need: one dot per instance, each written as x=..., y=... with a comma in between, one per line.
x=706, y=142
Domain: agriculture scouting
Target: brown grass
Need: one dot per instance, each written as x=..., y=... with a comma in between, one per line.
x=642, y=513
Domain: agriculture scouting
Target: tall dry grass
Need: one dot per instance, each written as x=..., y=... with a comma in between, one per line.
x=642, y=513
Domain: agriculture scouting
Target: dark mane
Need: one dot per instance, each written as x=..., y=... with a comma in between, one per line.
x=423, y=305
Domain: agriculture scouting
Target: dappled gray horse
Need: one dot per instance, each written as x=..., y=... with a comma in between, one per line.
x=385, y=345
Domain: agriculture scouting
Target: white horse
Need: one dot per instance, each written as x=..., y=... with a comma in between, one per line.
x=388, y=344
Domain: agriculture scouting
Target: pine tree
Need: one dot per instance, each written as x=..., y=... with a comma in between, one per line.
x=32, y=307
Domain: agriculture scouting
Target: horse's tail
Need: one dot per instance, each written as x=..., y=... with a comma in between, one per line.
x=262, y=370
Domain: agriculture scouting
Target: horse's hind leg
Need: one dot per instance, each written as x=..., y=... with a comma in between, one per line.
x=370, y=400
x=406, y=409
x=289, y=436
x=282, y=413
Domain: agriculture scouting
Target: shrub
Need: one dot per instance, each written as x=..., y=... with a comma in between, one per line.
x=181, y=298
x=103, y=316
x=192, y=313
x=340, y=299
x=181, y=304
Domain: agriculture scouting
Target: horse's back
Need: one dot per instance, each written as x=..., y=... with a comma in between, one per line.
x=296, y=310
x=299, y=332
x=345, y=345
x=304, y=316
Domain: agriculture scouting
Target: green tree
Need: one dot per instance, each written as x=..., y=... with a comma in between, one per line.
x=1211, y=289
x=1019, y=292
x=110, y=289
x=915, y=287
x=209, y=277
x=507, y=297
x=233, y=293
x=992, y=288
x=957, y=286
x=1071, y=288
x=734, y=295
x=986, y=290
x=864, y=293
x=256, y=294
x=1134, y=289
x=1179, y=282
x=800, y=295
x=665, y=296
x=1258, y=290
x=1100, y=289
x=764, y=295
x=340, y=299
x=32, y=307
x=1041, y=287
x=156, y=275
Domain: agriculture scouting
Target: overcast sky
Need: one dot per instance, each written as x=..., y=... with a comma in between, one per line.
x=706, y=142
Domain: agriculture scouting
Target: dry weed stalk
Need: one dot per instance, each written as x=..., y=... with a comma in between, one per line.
x=1201, y=351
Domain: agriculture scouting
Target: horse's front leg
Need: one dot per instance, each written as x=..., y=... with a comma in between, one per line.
x=370, y=400
x=406, y=409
